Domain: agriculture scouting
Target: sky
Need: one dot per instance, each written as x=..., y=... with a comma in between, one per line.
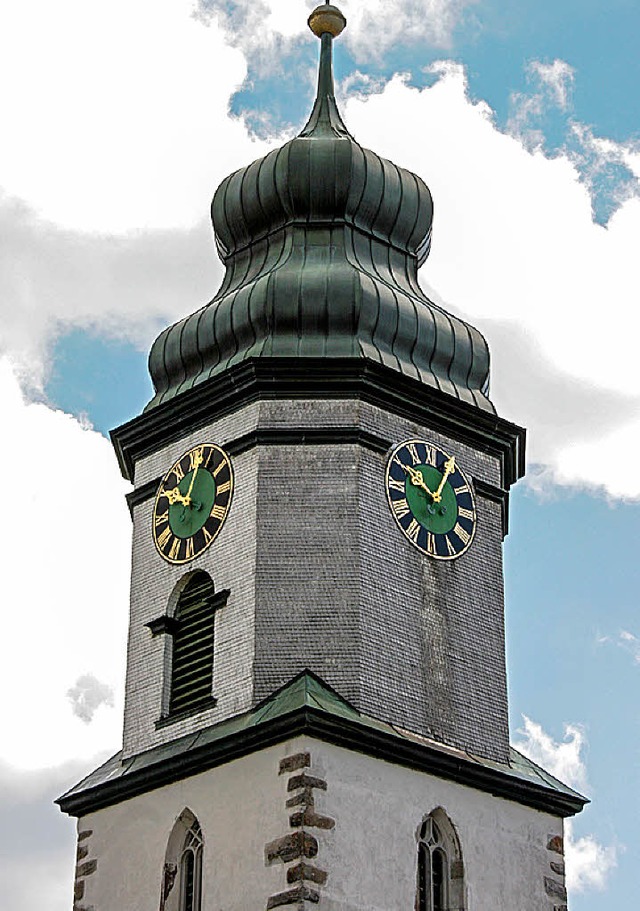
x=118, y=122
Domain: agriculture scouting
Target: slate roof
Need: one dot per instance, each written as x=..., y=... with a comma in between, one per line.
x=308, y=705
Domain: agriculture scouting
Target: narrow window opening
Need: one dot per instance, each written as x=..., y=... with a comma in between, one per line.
x=438, y=864
x=188, y=870
x=438, y=850
x=424, y=878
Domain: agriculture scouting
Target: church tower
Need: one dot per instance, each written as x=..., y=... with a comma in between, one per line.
x=316, y=700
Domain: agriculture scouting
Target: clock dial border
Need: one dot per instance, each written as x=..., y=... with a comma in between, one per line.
x=178, y=550
x=457, y=540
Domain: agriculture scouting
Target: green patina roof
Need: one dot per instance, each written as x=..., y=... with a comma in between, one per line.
x=307, y=705
x=322, y=240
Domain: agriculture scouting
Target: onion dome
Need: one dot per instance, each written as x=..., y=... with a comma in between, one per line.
x=322, y=240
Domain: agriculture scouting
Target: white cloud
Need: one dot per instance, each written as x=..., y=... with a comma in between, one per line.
x=631, y=644
x=564, y=760
x=376, y=26
x=128, y=286
x=87, y=695
x=588, y=863
x=117, y=114
x=66, y=539
x=551, y=87
x=554, y=290
x=558, y=77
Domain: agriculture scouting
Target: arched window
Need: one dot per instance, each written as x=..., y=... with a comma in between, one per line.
x=189, y=627
x=182, y=875
x=440, y=868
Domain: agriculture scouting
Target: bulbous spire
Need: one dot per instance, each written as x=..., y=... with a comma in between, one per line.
x=322, y=240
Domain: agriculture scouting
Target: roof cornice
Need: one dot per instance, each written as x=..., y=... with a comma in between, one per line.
x=320, y=378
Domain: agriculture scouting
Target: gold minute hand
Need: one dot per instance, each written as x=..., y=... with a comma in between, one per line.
x=449, y=466
x=198, y=462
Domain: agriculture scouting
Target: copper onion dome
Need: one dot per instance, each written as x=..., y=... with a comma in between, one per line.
x=322, y=240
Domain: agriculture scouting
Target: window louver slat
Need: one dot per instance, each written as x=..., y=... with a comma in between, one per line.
x=193, y=646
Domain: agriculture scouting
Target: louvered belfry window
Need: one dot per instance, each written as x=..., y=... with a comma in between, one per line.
x=192, y=667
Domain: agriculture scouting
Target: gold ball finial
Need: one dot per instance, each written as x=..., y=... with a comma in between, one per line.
x=327, y=19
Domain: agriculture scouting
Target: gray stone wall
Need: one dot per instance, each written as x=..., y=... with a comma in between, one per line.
x=321, y=577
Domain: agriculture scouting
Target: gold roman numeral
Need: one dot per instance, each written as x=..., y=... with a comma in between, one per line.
x=431, y=544
x=466, y=514
x=430, y=457
x=462, y=489
x=400, y=508
x=160, y=520
x=208, y=537
x=450, y=548
x=396, y=485
x=413, y=452
x=174, y=553
x=189, y=555
x=164, y=538
x=413, y=531
x=223, y=488
x=218, y=512
x=195, y=458
x=464, y=536
x=219, y=468
x=178, y=472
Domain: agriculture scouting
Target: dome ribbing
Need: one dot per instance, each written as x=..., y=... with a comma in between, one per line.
x=322, y=240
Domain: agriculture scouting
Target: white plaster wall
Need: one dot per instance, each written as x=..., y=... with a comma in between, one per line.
x=370, y=855
x=240, y=807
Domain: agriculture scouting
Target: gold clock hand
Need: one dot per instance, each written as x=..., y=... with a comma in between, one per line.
x=174, y=496
x=417, y=480
x=198, y=459
x=449, y=466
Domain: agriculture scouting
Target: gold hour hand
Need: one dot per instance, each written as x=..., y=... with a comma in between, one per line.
x=417, y=480
x=174, y=496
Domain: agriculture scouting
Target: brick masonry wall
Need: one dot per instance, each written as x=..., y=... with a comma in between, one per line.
x=321, y=577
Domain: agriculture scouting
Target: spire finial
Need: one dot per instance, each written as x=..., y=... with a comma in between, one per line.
x=327, y=20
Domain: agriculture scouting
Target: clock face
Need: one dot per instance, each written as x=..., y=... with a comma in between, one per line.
x=431, y=499
x=192, y=503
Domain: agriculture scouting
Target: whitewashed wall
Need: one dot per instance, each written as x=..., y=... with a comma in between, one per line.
x=370, y=854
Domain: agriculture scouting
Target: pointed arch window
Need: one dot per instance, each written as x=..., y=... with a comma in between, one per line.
x=440, y=867
x=182, y=877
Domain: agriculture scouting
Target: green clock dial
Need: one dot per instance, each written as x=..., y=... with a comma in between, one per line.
x=192, y=503
x=431, y=499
